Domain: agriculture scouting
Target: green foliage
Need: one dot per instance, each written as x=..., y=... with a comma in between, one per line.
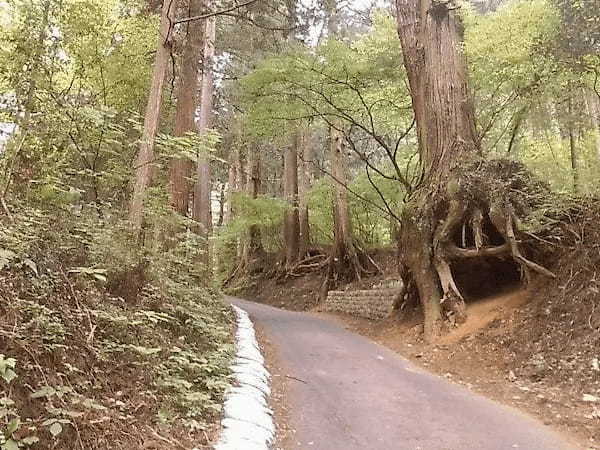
x=264, y=212
x=359, y=83
x=170, y=344
x=79, y=69
x=189, y=146
x=371, y=222
x=509, y=66
x=528, y=95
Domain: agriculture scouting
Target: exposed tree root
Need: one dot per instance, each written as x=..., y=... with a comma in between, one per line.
x=485, y=197
x=345, y=264
x=307, y=265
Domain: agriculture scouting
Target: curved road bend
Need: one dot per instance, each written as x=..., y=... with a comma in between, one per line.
x=359, y=395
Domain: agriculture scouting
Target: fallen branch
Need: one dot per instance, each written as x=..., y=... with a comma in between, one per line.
x=297, y=379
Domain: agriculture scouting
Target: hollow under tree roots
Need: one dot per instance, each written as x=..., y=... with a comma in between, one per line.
x=476, y=214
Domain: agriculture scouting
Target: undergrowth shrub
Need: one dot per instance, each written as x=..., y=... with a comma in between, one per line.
x=82, y=366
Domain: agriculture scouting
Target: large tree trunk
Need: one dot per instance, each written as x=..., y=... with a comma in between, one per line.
x=291, y=225
x=145, y=158
x=431, y=38
x=305, y=179
x=202, y=189
x=185, y=116
x=458, y=188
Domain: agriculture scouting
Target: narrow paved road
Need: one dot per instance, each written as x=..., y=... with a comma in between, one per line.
x=359, y=395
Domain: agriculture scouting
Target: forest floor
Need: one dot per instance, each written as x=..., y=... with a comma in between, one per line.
x=526, y=348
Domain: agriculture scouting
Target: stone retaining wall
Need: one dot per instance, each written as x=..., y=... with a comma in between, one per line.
x=372, y=303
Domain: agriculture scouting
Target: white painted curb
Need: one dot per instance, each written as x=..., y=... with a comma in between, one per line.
x=247, y=420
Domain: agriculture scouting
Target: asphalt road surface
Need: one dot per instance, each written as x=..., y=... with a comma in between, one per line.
x=357, y=394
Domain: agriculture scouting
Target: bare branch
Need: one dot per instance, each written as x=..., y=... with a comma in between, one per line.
x=214, y=13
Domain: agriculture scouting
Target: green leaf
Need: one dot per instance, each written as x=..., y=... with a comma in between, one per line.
x=46, y=391
x=56, y=428
x=9, y=375
x=10, y=445
x=13, y=426
x=33, y=266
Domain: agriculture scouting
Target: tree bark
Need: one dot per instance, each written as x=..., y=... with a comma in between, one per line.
x=344, y=260
x=222, y=199
x=573, y=147
x=431, y=39
x=341, y=213
x=305, y=181
x=593, y=104
x=233, y=182
x=145, y=157
x=202, y=189
x=185, y=116
x=291, y=225
x=458, y=188
x=252, y=246
x=574, y=160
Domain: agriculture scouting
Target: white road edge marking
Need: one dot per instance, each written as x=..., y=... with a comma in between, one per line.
x=247, y=419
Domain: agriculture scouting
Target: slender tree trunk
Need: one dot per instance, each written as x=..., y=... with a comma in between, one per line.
x=222, y=200
x=593, y=104
x=573, y=148
x=233, y=184
x=291, y=225
x=304, y=184
x=516, y=129
x=344, y=261
x=145, y=158
x=202, y=188
x=242, y=177
x=574, y=160
x=252, y=247
x=341, y=212
x=187, y=103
